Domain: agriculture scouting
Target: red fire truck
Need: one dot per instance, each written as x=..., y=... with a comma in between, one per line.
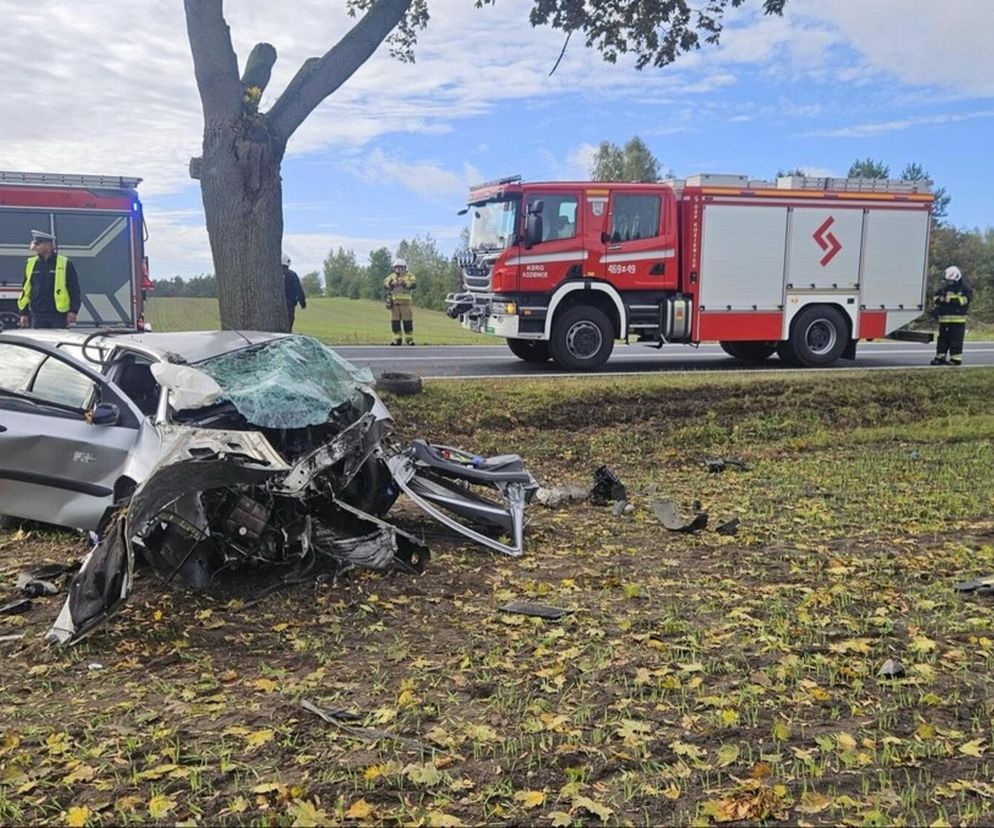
x=802, y=267
x=97, y=222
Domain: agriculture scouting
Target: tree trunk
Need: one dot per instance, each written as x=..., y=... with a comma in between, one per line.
x=243, y=205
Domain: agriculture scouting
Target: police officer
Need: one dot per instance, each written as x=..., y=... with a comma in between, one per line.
x=292, y=289
x=951, y=305
x=399, y=286
x=50, y=295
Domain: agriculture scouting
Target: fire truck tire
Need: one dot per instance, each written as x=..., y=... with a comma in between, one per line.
x=397, y=382
x=818, y=336
x=749, y=351
x=787, y=356
x=582, y=339
x=9, y=321
x=530, y=350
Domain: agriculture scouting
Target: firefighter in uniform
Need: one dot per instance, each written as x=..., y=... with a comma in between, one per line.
x=951, y=305
x=50, y=295
x=399, y=286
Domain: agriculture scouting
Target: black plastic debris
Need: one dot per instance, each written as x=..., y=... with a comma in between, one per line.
x=982, y=586
x=536, y=610
x=49, y=572
x=719, y=464
x=729, y=527
x=34, y=587
x=607, y=487
x=666, y=511
x=21, y=605
x=891, y=670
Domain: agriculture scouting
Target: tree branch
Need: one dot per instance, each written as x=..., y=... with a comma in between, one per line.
x=259, y=66
x=318, y=78
x=214, y=63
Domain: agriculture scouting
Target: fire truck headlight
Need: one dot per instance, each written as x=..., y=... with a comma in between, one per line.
x=511, y=308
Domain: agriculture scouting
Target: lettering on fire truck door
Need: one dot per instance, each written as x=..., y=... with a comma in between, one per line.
x=558, y=255
x=640, y=250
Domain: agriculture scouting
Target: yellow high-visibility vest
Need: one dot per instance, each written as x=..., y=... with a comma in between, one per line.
x=61, y=288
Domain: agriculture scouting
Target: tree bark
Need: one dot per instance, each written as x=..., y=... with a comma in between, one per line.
x=239, y=170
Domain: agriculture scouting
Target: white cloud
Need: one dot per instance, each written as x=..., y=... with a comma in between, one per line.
x=923, y=43
x=426, y=178
x=867, y=130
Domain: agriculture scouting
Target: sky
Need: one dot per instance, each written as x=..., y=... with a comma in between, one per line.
x=107, y=87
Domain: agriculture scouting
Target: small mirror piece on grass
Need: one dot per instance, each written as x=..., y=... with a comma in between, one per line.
x=545, y=611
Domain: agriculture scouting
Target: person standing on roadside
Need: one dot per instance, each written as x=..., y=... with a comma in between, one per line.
x=399, y=286
x=294, y=290
x=951, y=305
x=50, y=296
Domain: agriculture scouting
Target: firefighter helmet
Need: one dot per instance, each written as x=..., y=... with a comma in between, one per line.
x=953, y=274
x=400, y=263
x=285, y=260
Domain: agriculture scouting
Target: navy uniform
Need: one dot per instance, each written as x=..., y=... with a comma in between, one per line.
x=951, y=304
x=293, y=290
x=50, y=296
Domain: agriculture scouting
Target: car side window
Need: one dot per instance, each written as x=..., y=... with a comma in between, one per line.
x=634, y=217
x=60, y=383
x=17, y=366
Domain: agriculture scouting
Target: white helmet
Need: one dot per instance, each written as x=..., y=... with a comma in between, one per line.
x=400, y=263
x=285, y=260
x=953, y=274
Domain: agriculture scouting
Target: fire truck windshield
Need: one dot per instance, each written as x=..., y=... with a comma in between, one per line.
x=494, y=225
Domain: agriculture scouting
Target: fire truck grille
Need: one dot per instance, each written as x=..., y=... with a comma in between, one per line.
x=477, y=279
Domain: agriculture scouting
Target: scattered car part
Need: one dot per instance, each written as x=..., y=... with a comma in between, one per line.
x=561, y=495
x=399, y=383
x=719, y=464
x=666, y=511
x=621, y=508
x=977, y=584
x=30, y=587
x=16, y=607
x=439, y=477
x=344, y=720
x=607, y=487
x=729, y=527
x=891, y=670
x=536, y=610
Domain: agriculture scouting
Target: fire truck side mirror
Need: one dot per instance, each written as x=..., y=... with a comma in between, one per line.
x=533, y=229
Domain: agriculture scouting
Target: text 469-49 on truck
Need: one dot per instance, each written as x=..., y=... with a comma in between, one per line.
x=802, y=267
x=97, y=222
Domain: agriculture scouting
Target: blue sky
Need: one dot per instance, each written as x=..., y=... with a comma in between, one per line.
x=392, y=153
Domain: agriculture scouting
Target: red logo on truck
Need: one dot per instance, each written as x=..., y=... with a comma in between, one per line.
x=827, y=241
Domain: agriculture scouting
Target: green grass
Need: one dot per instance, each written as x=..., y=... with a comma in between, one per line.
x=700, y=679
x=333, y=320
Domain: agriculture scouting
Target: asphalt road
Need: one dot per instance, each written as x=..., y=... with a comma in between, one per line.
x=476, y=361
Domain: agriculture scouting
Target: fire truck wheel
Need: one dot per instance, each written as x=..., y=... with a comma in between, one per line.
x=530, y=350
x=787, y=356
x=818, y=335
x=582, y=339
x=397, y=382
x=9, y=321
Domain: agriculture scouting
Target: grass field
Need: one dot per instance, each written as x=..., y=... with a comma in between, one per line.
x=332, y=320
x=701, y=678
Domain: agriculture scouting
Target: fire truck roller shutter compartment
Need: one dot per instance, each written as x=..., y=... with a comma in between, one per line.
x=896, y=248
x=742, y=258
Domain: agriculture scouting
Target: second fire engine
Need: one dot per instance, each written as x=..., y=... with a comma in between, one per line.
x=801, y=267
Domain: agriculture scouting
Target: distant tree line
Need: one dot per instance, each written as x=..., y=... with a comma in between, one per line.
x=437, y=274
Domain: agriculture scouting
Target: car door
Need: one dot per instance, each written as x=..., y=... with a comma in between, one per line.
x=640, y=244
x=556, y=253
x=59, y=463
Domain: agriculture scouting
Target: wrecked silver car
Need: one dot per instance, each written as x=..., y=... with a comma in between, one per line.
x=207, y=452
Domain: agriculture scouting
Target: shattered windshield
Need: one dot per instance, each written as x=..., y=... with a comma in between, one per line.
x=493, y=226
x=291, y=382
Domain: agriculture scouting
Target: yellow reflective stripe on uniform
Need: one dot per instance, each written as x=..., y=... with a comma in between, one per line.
x=951, y=320
x=25, y=298
x=61, y=292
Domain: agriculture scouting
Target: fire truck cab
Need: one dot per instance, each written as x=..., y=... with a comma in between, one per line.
x=97, y=222
x=802, y=267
